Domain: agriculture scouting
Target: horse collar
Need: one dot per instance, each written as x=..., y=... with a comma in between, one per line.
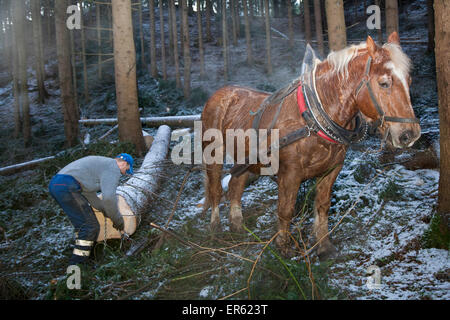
x=318, y=120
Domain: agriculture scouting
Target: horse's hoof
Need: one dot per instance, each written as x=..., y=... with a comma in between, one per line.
x=327, y=252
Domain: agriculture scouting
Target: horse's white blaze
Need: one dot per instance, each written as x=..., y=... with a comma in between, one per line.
x=400, y=75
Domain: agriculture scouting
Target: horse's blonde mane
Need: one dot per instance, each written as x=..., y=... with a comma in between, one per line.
x=339, y=60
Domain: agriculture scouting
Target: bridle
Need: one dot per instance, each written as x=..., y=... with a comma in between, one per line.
x=382, y=116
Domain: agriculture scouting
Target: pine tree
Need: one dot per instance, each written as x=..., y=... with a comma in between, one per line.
x=337, y=33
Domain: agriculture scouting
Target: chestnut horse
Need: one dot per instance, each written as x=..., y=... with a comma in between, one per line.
x=339, y=82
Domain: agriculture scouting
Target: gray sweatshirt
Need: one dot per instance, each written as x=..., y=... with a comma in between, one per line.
x=96, y=173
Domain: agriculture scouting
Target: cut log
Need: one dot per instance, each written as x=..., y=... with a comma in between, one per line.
x=172, y=121
x=133, y=197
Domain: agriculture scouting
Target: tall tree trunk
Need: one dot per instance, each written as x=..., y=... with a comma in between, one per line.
x=37, y=43
x=208, y=20
x=153, y=68
x=19, y=23
x=290, y=24
x=391, y=16
x=225, y=40
x=442, y=14
x=171, y=55
x=379, y=31
x=307, y=18
x=268, y=40
x=200, y=40
x=83, y=56
x=130, y=128
x=99, y=40
x=430, y=14
x=186, y=49
x=337, y=35
x=175, y=43
x=71, y=113
x=162, y=36
x=233, y=21
x=15, y=74
x=318, y=20
x=247, y=34
x=141, y=32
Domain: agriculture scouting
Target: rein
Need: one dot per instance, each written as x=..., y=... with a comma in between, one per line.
x=380, y=121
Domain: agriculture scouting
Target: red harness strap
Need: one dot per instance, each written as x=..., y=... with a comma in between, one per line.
x=302, y=108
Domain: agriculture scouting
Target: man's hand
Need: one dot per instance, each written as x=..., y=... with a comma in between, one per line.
x=118, y=224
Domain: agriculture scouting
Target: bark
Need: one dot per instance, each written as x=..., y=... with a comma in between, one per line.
x=391, y=16
x=20, y=39
x=225, y=40
x=162, y=36
x=430, y=13
x=141, y=31
x=208, y=20
x=153, y=68
x=318, y=20
x=442, y=50
x=268, y=39
x=337, y=35
x=83, y=57
x=307, y=18
x=200, y=41
x=175, y=43
x=135, y=195
x=290, y=24
x=38, y=51
x=130, y=128
x=379, y=31
x=99, y=40
x=186, y=49
x=248, y=38
x=71, y=113
x=233, y=21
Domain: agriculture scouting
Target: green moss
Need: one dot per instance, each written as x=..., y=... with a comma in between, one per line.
x=437, y=235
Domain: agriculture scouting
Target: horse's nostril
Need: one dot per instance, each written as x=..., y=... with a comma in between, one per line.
x=405, y=138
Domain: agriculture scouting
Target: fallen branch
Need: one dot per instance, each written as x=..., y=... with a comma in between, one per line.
x=172, y=121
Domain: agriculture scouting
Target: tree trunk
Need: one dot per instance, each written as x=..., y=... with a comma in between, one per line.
x=200, y=41
x=208, y=20
x=171, y=55
x=233, y=21
x=130, y=128
x=141, y=32
x=186, y=49
x=162, y=36
x=175, y=43
x=268, y=40
x=225, y=40
x=379, y=31
x=442, y=14
x=172, y=121
x=290, y=24
x=318, y=20
x=71, y=113
x=337, y=36
x=99, y=40
x=430, y=14
x=307, y=18
x=247, y=34
x=16, y=89
x=83, y=57
x=153, y=68
x=37, y=43
x=134, y=196
x=391, y=16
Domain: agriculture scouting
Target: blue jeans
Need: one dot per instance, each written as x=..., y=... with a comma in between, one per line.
x=66, y=191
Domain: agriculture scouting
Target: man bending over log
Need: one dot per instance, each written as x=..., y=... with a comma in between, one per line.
x=75, y=189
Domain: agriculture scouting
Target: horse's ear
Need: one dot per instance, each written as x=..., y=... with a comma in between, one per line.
x=371, y=46
x=394, y=38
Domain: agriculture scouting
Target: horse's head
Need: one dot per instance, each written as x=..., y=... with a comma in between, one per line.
x=383, y=93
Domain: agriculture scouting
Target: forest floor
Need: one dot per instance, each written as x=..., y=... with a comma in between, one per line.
x=382, y=209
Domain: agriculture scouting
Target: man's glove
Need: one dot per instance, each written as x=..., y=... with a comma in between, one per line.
x=118, y=224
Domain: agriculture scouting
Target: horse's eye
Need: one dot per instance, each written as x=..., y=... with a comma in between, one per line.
x=384, y=84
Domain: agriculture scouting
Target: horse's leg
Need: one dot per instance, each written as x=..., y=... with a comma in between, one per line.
x=236, y=187
x=213, y=190
x=322, y=204
x=288, y=184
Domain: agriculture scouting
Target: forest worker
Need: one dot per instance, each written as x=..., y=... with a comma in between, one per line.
x=75, y=189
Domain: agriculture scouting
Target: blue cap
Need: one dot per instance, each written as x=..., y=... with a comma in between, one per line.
x=127, y=158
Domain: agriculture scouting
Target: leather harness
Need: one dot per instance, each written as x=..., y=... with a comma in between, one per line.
x=315, y=116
